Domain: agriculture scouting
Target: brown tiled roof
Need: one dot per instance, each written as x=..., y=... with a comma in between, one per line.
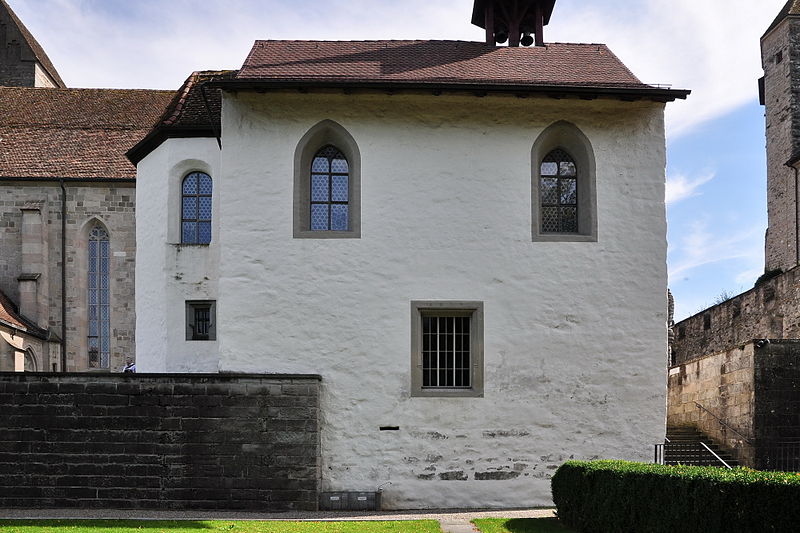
x=34, y=45
x=791, y=8
x=435, y=62
x=187, y=114
x=74, y=133
x=9, y=316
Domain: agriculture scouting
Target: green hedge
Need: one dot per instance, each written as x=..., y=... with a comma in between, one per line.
x=624, y=497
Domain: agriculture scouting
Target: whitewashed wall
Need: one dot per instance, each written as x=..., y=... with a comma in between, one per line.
x=169, y=273
x=575, y=336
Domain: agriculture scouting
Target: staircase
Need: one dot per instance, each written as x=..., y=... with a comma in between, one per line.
x=684, y=445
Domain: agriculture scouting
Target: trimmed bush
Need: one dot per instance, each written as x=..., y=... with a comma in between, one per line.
x=625, y=497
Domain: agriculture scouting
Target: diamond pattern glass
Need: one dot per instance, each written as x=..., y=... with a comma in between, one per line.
x=569, y=191
x=319, y=217
x=204, y=232
x=98, y=298
x=339, y=217
x=339, y=166
x=339, y=189
x=205, y=208
x=205, y=183
x=190, y=207
x=189, y=233
x=330, y=190
x=559, y=193
x=319, y=187
x=196, y=208
x=320, y=164
x=549, y=190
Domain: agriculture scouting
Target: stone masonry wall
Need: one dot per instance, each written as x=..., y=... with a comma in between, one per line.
x=17, y=62
x=777, y=393
x=159, y=441
x=723, y=384
x=780, y=52
x=769, y=311
x=111, y=204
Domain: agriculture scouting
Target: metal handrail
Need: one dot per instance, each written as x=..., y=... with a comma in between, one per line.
x=723, y=423
x=729, y=467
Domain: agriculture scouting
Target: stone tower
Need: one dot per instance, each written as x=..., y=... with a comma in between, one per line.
x=23, y=62
x=780, y=93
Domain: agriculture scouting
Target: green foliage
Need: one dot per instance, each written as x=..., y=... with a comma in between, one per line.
x=196, y=526
x=622, y=497
x=520, y=525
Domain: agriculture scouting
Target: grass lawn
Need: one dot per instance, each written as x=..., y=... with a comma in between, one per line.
x=520, y=525
x=197, y=526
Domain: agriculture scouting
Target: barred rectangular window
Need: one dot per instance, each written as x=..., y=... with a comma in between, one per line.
x=200, y=317
x=447, y=348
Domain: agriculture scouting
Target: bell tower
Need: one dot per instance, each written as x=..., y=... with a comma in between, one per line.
x=520, y=22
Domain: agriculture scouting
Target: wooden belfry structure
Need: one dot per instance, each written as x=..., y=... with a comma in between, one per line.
x=515, y=21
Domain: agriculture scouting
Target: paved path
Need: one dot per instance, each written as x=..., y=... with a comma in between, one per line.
x=452, y=520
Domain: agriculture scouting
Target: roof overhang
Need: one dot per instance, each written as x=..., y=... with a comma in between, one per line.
x=157, y=136
x=625, y=93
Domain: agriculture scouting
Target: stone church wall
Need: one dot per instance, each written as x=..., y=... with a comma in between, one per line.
x=114, y=206
x=17, y=65
x=159, y=441
x=769, y=311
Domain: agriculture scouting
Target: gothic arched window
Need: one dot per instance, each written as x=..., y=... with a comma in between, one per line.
x=99, y=335
x=559, y=193
x=196, y=209
x=30, y=361
x=330, y=190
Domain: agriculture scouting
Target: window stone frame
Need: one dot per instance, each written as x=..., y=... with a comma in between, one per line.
x=191, y=305
x=473, y=309
x=572, y=140
x=325, y=133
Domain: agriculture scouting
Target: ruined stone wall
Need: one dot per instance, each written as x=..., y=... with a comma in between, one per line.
x=111, y=204
x=723, y=384
x=780, y=51
x=159, y=441
x=769, y=311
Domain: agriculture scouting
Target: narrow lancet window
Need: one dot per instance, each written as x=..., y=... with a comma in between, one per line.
x=196, y=209
x=99, y=338
x=330, y=191
x=559, y=193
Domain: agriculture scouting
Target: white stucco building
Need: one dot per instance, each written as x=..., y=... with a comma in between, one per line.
x=467, y=242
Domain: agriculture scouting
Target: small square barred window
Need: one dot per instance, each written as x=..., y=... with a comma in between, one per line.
x=559, y=193
x=330, y=190
x=446, y=351
x=200, y=318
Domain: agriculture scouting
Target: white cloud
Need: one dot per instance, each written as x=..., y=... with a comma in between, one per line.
x=711, y=47
x=700, y=247
x=680, y=187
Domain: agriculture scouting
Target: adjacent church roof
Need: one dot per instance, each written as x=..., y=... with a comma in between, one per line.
x=34, y=45
x=74, y=133
x=443, y=64
x=193, y=112
x=10, y=317
x=791, y=8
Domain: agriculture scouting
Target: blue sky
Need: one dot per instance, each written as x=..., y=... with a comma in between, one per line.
x=716, y=175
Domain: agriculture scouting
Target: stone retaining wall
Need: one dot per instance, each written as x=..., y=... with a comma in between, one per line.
x=160, y=441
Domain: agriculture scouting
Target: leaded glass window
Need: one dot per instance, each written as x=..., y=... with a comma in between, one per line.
x=99, y=337
x=558, y=193
x=330, y=191
x=196, y=209
x=445, y=351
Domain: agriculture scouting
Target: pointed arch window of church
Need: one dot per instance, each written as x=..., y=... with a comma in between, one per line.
x=559, y=193
x=196, y=209
x=330, y=177
x=99, y=334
